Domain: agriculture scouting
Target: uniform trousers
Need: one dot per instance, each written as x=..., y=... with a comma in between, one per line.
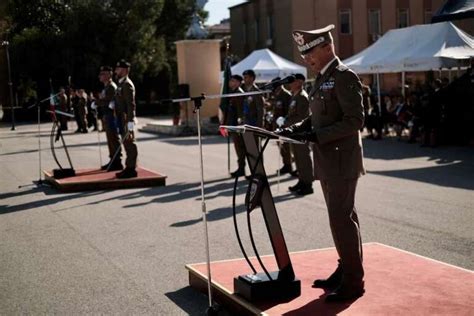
x=340, y=196
x=113, y=140
x=239, y=149
x=303, y=162
x=128, y=143
x=285, y=153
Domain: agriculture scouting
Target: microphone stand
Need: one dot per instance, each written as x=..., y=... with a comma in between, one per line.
x=40, y=181
x=213, y=309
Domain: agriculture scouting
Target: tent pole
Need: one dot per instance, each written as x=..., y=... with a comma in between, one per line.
x=378, y=93
x=403, y=83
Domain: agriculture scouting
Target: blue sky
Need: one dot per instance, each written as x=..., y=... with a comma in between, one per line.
x=218, y=9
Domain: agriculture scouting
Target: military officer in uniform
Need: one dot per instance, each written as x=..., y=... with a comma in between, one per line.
x=281, y=99
x=337, y=115
x=253, y=104
x=125, y=112
x=62, y=97
x=234, y=116
x=298, y=111
x=105, y=104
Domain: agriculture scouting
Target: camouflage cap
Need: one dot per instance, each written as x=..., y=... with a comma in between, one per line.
x=123, y=64
x=237, y=77
x=105, y=69
x=249, y=72
x=307, y=40
x=300, y=76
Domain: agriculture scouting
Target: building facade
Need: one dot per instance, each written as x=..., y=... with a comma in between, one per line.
x=257, y=24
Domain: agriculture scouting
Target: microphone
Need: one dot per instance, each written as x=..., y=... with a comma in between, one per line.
x=274, y=84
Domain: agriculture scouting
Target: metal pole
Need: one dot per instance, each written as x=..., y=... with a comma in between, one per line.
x=378, y=92
x=403, y=84
x=228, y=154
x=10, y=84
x=39, y=142
x=203, y=208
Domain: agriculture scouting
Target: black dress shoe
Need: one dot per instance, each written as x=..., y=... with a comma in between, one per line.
x=346, y=293
x=294, y=173
x=305, y=190
x=285, y=169
x=333, y=281
x=127, y=173
x=238, y=173
x=295, y=187
x=115, y=166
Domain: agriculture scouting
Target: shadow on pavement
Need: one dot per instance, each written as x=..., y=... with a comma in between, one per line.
x=454, y=164
x=189, y=300
x=39, y=202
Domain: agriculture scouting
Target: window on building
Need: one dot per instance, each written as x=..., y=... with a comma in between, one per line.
x=403, y=18
x=428, y=16
x=374, y=23
x=345, y=20
x=270, y=26
x=257, y=30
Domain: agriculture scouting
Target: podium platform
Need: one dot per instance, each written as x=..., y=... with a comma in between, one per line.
x=96, y=179
x=397, y=283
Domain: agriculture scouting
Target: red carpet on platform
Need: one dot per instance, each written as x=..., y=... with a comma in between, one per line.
x=396, y=282
x=96, y=179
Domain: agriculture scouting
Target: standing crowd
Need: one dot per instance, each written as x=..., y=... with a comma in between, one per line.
x=437, y=112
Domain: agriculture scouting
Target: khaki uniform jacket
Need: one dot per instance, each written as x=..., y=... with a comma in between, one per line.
x=253, y=107
x=125, y=99
x=299, y=107
x=107, y=95
x=235, y=109
x=62, y=104
x=281, y=103
x=336, y=118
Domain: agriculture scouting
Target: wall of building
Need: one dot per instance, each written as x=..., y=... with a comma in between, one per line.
x=311, y=14
x=4, y=94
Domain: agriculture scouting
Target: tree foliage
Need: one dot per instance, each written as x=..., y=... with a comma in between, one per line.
x=59, y=38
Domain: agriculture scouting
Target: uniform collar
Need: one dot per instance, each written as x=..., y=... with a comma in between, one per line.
x=122, y=79
x=327, y=66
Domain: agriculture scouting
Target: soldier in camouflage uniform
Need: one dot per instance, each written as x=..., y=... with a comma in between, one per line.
x=280, y=100
x=253, y=104
x=105, y=104
x=298, y=111
x=125, y=113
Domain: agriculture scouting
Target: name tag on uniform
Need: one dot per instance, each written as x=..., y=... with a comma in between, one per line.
x=293, y=104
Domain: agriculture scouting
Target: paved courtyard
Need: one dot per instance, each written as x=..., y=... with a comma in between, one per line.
x=124, y=251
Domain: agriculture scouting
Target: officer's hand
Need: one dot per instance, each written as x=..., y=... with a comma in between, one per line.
x=305, y=137
x=94, y=106
x=285, y=132
x=130, y=126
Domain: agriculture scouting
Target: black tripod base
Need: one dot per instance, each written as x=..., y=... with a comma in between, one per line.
x=63, y=173
x=254, y=287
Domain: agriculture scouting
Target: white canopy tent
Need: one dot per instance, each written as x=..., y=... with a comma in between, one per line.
x=417, y=48
x=267, y=65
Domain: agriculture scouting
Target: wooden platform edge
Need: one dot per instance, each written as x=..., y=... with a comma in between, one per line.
x=220, y=294
x=103, y=185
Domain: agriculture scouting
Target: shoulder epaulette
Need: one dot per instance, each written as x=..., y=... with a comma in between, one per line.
x=342, y=67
